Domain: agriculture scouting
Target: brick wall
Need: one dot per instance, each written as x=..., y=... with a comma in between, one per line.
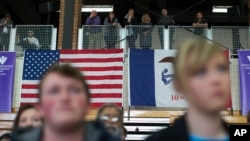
x=76, y=23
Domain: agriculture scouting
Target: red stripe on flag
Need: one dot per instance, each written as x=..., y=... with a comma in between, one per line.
x=29, y=95
x=25, y=103
x=103, y=77
x=98, y=105
x=106, y=95
x=92, y=60
x=106, y=86
x=114, y=68
x=106, y=51
x=29, y=86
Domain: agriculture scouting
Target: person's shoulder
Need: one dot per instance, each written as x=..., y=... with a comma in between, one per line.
x=177, y=131
x=28, y=134
x=160, y=135
x=101, y=134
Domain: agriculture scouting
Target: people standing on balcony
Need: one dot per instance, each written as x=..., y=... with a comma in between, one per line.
x=199, y=23
x=166, y=21
x=131, y=21
x=111, y=33
x=30, y=42
x=5, y=26
x=95, y=33
x=146, y=32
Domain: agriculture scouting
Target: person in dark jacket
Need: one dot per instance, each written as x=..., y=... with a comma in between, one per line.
x=202, y=75
x=63, y=104
x=111, y=33
x=146, y=32
x=5, y=27
x=200, y=24
x=112, y=118
x=166, y=21
x=131, y=21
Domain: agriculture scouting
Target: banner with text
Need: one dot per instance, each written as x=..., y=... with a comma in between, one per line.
x=7, y=71
x=151, y=79
x=244, y=71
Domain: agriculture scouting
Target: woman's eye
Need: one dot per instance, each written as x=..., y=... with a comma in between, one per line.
x=222, y=68
x=200, y=72
x=23, y=120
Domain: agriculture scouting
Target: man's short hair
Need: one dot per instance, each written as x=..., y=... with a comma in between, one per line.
x=67, y=71
x=7, y=16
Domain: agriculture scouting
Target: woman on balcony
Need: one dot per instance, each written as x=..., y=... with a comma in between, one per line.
x=145, y=32
x=111, y=30
x=130, y=21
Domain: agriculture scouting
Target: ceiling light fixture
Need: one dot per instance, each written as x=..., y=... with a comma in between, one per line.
x=221, y=9
x=97, y=8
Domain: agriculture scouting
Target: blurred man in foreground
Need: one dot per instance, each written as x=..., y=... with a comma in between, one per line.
x=64, y=102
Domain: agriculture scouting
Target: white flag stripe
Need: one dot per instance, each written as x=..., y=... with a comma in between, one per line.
x=30, y=91
x=101, y=73
x=93, y=100
x=29, y=100
x=89, y=82
x=32, y=82
x=92, y=82
x=104, y=91
x=90, y=56
x=82, y=61
x=109, y=100
x=110, y=64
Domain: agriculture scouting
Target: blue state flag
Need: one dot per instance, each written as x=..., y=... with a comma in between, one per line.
x=151, y=79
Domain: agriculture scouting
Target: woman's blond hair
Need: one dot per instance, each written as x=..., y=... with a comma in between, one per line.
x=143, y=18
x=192, y=55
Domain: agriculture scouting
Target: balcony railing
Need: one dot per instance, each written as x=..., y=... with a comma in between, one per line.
x=5, y=32
x=109, y=37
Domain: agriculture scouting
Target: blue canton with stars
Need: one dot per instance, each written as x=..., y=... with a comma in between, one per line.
x=37, y=62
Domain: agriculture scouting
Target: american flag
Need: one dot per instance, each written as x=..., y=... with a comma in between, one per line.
x=103, y=70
